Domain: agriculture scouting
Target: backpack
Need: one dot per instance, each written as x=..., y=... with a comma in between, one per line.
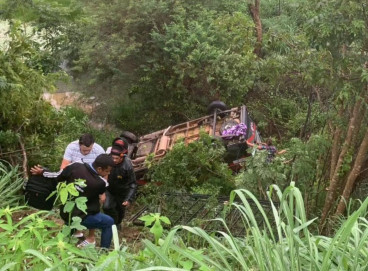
x=36, y=190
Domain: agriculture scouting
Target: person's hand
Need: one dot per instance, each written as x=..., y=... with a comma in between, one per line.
x=126, y=203
x=37, y=170
x=102, y=198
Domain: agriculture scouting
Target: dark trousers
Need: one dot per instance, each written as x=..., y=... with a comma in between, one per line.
x=113, y=207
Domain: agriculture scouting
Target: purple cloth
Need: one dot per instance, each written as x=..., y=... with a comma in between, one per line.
x=236, y=130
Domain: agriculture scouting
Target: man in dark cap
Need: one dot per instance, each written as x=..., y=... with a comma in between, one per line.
x=122, y=182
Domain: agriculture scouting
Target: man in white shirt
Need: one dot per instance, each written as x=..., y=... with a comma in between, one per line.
x=83, y=150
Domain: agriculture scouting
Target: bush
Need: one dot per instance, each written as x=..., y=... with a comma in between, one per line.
x=198, y=166
x=11, y=183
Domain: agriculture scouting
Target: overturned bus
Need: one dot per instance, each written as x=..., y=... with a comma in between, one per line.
x=233, y=126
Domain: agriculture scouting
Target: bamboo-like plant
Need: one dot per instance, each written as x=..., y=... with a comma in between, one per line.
x=11, y=183
x=284, y=242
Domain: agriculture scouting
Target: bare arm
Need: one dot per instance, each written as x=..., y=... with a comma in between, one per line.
x=254, y=145
x=250, y=144
x=64, y=163
x=281, y=152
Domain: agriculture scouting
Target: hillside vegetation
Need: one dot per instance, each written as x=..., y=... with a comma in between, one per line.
x=300, y=66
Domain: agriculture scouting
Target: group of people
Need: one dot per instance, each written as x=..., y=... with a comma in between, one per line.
x=109, y=180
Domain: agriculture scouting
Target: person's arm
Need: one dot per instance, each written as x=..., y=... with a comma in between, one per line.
x=250, y=144
x=40, y=170
x=254, y=145
x=68, y=156
x=132, y=185
x=99, y=149
x=65, y=163
x=131, y=193
x=281, y=152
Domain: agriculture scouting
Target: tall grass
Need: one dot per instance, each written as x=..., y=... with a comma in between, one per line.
x=284, y=242
x=11, y=183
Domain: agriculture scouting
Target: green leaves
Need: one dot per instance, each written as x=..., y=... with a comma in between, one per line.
x=192, y=50
x=285, y=234
x=63, y=192
x=35, y=238
x=67, y=194
x=11, y=183
x=157, y=220
x=197, y=166
x=81, y=204
x=72, y=191
x=68, y=191
x=69, y=206
x=165, y=55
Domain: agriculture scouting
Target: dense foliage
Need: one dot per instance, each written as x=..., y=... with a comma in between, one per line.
x=172, y=56
x=25, y=118
x=50, y=23
x=32, y=130
x=35, y=241
x=194, y=168
x=302, y=73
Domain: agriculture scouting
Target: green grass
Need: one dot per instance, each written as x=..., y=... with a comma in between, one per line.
x=283, y=242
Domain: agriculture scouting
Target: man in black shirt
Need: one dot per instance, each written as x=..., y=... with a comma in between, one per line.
x=94, y=175
x=122, y=183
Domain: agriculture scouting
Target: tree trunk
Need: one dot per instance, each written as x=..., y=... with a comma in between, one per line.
x=353, y=175
x=334, y=181
x=25, y=160
x=335, y=144
x=360, y=119
x=255, y=12
x=303, y=132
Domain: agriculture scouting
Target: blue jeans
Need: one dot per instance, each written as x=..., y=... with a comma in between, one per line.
x=103, y=222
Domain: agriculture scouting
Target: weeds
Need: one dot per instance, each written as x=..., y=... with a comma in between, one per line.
x=282, y=242
x=11, y=183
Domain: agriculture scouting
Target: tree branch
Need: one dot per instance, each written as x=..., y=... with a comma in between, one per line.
x=25, y=160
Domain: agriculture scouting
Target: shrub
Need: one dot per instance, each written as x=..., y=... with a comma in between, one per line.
x=196, y=166
x=11, y=183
